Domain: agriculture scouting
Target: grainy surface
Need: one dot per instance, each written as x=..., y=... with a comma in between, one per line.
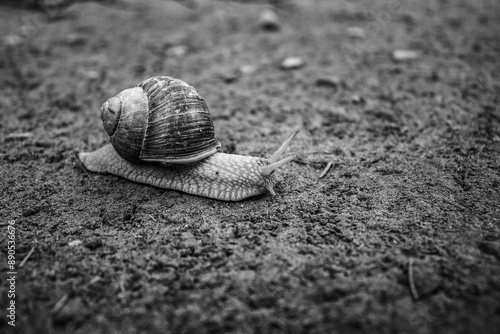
x=416, y=172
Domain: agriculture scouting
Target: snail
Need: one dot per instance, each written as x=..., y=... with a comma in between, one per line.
x=162, y=134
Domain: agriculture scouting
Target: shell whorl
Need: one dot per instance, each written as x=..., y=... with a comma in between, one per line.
x=162, y=120
x=125, y=118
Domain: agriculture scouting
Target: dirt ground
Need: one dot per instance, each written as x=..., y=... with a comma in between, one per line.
x=402, y=235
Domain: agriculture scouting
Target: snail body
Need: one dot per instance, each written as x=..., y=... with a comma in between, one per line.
x=160, y=135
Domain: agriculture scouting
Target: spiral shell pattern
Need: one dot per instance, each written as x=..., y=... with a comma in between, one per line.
x=162, y=120
x=179, y=122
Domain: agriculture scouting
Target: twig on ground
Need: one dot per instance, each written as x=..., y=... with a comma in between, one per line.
x=327, y=168
x=60, y=304
x=465, y=185
x=27, y=257
x=414, y=292
x=370, y=267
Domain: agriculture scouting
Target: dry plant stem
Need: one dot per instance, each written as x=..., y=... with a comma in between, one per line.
x=327, y=168
x=60, y=304
x=414, y=292
x=26, y=257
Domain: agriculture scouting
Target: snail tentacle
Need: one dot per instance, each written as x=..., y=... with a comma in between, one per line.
x=279, y=152
x=267, y=170
x=274, y=162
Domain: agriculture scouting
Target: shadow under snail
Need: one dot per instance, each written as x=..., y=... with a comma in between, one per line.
x=162, y=134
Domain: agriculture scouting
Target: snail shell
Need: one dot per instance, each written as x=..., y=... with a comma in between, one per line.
x=162, y=120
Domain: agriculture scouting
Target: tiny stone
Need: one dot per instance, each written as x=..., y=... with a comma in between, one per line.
x=93, y=244
x=187, y=236
x=74, y=243
x=404, y=55
x=92, y=74
x=356, y=32
x=332, y=82
x=268, y=20
x=229, y=77
x=75, y=39
x=247, y=69
x=357, y=99
x=291, y=63
x=177, y=51
x=12, y=40
x=30, y=211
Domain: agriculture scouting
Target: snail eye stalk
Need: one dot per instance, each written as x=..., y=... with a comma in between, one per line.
x=275, y=157
x=275, y=163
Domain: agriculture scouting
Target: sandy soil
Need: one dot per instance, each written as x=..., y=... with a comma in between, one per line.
x=401, y=236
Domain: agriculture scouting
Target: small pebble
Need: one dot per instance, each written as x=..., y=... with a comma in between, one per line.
x=247, y=69
x=405, y=55
x=177, y=51
x=91, y=74
x=332, y=82
x=269, y=20
x=75, y=39
x=93, y=244
x=75, y=243
x=357, y=99
x=31, y=211
x=356, y=32
x=291, y=63
x=13, y=40
x=229, y=77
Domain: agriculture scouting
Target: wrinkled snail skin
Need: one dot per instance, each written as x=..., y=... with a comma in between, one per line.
x=162, y=134
x=227, y=177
